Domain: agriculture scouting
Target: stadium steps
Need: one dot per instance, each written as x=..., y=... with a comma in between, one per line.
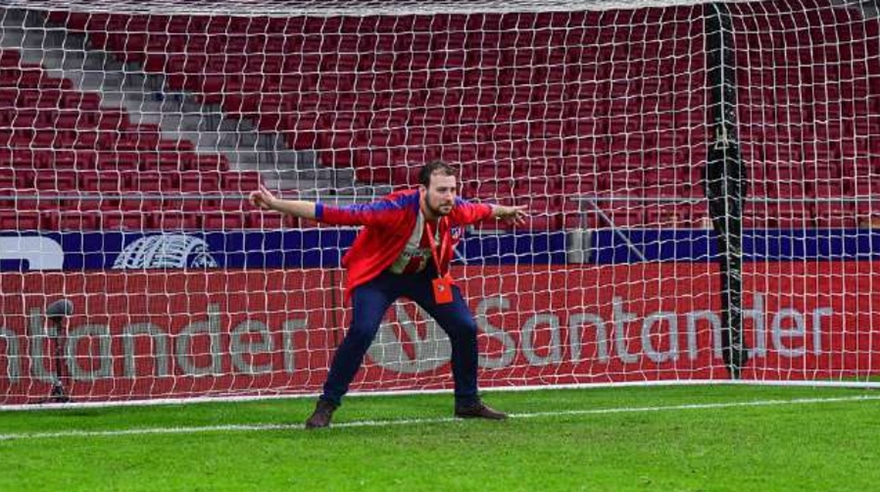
x=179, y=116
x=870, y=8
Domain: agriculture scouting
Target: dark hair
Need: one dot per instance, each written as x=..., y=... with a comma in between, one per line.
x=432, y=167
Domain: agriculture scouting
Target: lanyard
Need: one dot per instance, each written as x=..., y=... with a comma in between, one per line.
x=437, y=260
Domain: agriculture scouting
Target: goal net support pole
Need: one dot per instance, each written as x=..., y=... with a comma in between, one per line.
x=724, y=182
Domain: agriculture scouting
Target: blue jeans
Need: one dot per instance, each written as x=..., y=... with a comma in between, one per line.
x=371, y=300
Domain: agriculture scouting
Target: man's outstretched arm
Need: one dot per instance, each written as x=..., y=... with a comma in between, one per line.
x=513, y=215
x=358, y=214
x=468, y=212
x=265, y=200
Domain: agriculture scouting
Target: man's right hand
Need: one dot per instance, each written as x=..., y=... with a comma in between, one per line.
x=514, y=215
x=262, y=198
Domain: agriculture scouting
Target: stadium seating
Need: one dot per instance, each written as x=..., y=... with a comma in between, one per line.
x=554, y=111
x=54, y=139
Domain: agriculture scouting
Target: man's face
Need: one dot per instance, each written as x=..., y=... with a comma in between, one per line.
x=440, y=195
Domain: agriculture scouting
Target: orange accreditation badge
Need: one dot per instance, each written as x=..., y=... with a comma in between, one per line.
x=443, y=284
x=443, y=289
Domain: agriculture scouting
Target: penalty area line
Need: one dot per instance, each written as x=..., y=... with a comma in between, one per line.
x=24, y=436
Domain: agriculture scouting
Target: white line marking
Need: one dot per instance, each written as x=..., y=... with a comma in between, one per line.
x=240, y=398
x=389, y=423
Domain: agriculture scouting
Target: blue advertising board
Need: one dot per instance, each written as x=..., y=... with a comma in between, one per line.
x=240, y=249
x=314, y=248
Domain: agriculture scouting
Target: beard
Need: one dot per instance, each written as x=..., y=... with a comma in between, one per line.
x=440, y=210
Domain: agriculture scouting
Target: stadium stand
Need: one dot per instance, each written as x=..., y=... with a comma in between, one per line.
x=537, y=110
x=61, y=145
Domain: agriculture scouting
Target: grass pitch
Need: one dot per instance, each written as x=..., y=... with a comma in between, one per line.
x=629, y=438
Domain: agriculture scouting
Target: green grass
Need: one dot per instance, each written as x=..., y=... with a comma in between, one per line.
x=826, y=445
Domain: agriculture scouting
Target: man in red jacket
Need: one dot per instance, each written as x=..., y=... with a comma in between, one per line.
x=404, y=249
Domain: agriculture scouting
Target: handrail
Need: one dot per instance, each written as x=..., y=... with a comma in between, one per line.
x=576, y=198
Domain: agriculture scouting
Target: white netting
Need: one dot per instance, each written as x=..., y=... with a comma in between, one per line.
x=348, y=8
x=132, y=131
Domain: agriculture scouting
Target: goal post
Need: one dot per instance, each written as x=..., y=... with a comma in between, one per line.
x=700, y=179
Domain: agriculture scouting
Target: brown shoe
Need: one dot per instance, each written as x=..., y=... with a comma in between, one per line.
x=479, y=410
x=322, y=415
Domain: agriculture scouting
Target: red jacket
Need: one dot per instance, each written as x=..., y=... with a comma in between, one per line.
x=389, y=222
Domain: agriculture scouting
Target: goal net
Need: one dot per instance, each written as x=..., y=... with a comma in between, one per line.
x=699, y=176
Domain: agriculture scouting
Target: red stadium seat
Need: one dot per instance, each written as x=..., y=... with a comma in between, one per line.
x=790, y=189
x=241, y=182
x=92, y=202
x=56, y=181
x=867, y=187
x=751, y=220
x=150, y=182
x=36, y=200
x=539, y=222
x=839, y=215
x=202, y=181
x=8, y=180
x=99, y=181
x=72, y=221
x=621, y=216
x=19, y=221
x=786, y=171
x=492, y=189
x=792, y=216
x=664, y=176
x=820, y=171
x=828, y=189
x=667, y=215
x=223, y=221
x=171, y=220
x=127, y=221
x=268, y=220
